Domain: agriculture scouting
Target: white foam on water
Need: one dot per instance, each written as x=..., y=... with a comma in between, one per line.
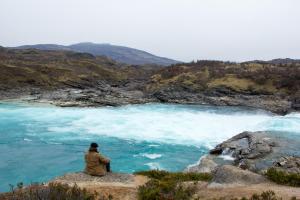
x=151, y=156
x=287, y=123
x=196, y=164
x=173, y=124
x=154, y=165
x=177, y=127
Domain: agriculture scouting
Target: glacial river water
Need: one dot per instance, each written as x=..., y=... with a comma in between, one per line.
x=39, y=142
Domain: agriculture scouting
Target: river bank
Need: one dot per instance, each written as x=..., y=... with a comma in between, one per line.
x=121, y=96
x=126, y=187
x=67, y=78
x=237, y=166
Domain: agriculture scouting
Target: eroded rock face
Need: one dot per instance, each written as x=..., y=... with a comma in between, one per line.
x=246, y=146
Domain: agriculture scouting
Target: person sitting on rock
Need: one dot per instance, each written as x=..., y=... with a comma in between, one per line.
x=96, y=164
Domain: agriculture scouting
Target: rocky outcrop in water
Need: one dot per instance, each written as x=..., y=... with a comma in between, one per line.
x=254, y=151
x=246, y=148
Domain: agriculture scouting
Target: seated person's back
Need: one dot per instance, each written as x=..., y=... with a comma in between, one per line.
x=96, y=164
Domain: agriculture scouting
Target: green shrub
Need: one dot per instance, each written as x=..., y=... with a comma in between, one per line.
x=268, y=195
x=283, y=178
x=167, y=185
x=165, y=190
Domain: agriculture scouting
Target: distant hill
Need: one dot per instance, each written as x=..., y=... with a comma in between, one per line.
x=119, y=53
x=52, y=69
x=277, y=61
x=284, y=61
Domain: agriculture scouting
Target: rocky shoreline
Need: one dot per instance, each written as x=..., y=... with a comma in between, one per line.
x=115, y=96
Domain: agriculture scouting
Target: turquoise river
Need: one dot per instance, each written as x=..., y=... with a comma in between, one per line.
x=39, y=142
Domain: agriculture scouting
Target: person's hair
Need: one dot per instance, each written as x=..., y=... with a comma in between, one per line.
x=94, y=144
x=93, y=147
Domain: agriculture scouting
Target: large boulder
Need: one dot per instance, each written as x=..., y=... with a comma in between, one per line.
x=246, y=148
x=228, y=174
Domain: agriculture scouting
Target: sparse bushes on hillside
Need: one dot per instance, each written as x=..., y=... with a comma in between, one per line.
x=52, y=191
x=167, y=185
x=267, y=195
x=264, y=78
x=283, y=178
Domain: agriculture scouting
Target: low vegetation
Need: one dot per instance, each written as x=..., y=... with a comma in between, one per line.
x=52, y=191
x=267, y=195
x=59, y=69
x=284, y=178
x=165, y=185
x=56, y=69
x=249, y=77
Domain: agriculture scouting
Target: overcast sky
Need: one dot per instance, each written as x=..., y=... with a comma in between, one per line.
x=186, y=30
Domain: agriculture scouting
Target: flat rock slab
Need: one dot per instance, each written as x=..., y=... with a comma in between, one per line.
x=108, y=178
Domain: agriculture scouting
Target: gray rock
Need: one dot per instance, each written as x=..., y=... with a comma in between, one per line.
x=206, y=165
x=289, y=164
x=102, y=93
x=228, y=174
x=245, y=147
x=258, y=151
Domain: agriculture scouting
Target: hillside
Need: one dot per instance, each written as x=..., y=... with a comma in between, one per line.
x=49, y=69
x=102, y=81
x=227, y=77
x=119, y=53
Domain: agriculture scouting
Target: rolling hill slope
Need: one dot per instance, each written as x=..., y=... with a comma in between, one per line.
x=119, y=53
